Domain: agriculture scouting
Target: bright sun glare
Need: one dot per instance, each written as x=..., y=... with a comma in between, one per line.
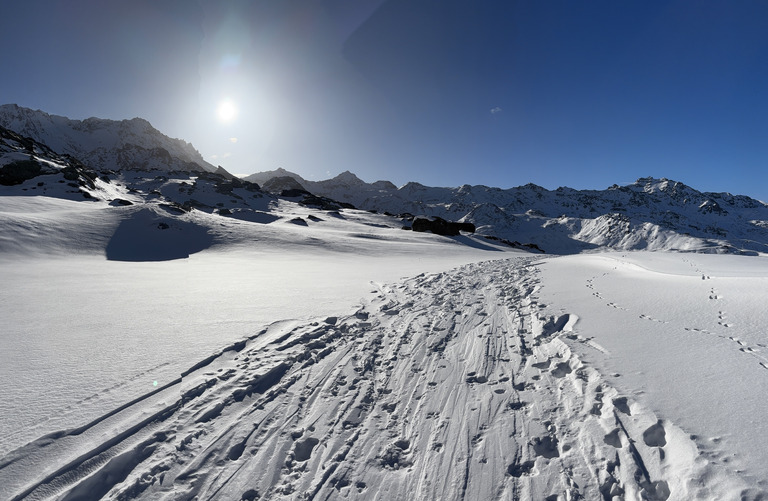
x=226, y=111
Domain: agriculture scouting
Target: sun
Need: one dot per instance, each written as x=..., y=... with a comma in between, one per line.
x=226, y=111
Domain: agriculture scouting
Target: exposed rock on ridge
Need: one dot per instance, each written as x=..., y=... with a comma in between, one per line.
x=105, y=144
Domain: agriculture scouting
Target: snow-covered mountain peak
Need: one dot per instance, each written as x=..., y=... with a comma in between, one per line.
x=280, y=184
x=384, y=185
x=347, y=178
x=651, y=213
x=534, y=187
x=413, y=186
x=664, y=185
x=282, y=172
x=262, y=177
x=105, y=144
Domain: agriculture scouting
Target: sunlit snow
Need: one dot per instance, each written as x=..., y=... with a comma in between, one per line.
x=185, y=336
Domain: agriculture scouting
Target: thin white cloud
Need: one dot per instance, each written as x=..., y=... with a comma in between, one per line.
x=232, y=139
x=495, y=110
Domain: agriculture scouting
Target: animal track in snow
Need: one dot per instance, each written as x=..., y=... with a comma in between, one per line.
x=598, y=295
x=646, y=317
x=753, y=351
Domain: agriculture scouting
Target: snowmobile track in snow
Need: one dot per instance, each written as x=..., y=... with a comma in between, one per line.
x=455, y=385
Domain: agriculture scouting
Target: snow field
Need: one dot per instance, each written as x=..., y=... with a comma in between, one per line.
x=83, y=335
x=683, y=335
x=454, y=385
x=604, y=376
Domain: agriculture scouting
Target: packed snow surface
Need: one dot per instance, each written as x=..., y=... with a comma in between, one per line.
x=83, y=334
x=516, y=378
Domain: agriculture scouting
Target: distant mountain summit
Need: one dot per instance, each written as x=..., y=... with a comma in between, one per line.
x=346, y=187
x=262, y=177
x=105, y=144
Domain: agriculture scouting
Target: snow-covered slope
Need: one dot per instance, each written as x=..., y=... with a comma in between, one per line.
x=652, y=214
x=105, y=144
x=186, y=335
x=135, y=263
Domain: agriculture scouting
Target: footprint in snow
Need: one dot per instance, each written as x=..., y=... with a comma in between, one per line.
x=562, y=369
x=621, y=404
x=613, y=439
x=302, y=451
x=546, y=447
x=655, y=435
x=520, y=470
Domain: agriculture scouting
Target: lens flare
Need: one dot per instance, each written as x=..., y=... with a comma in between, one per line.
x=227, y=111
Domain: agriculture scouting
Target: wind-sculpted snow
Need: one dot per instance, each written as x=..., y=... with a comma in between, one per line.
x=455, y=385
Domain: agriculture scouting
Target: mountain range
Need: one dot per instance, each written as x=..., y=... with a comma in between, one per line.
x=650, y=214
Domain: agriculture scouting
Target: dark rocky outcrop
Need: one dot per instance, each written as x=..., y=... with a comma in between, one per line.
x=323, y=203
x=440, y=226
x=19, y=171
x=515, y=243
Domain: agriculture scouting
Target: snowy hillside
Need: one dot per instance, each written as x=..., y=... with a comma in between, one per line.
x=105, y=144
x=176, y=334
x=650, y=214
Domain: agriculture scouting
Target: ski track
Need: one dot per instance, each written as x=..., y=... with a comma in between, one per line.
x=455, y=385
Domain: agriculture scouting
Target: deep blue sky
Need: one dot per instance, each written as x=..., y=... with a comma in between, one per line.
x=443, y=92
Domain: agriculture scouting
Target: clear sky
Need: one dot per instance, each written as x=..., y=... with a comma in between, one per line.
x=444, y=92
